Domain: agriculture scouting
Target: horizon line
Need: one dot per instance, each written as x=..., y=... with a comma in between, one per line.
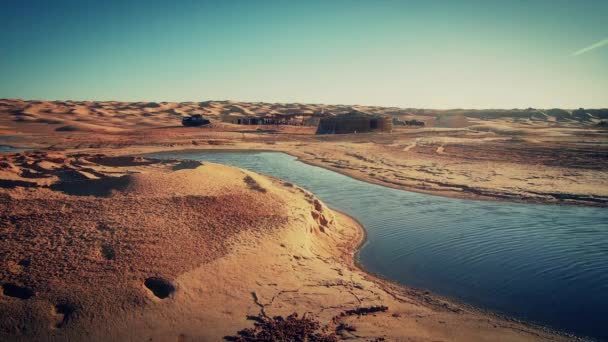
x=313, y=103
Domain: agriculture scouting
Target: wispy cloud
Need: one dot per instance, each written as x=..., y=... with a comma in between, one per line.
x=591, y=47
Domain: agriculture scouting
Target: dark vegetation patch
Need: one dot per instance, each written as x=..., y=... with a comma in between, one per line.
x=291, y=328
x=295, y=328
x=187, y=164
x=344, y=329
x=253, y=185
x=160, y=287
x=12, y=290
x=365, y=310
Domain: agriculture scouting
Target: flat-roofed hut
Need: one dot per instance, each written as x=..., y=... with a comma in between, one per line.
x=354, y=122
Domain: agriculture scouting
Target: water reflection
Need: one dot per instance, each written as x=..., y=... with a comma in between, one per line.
x=542, y=263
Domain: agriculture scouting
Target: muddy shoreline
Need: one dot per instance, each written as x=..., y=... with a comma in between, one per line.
x=433, y=299
x=425, y=297
x=471, y=194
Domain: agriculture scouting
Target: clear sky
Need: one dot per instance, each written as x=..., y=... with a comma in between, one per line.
x=430, y=54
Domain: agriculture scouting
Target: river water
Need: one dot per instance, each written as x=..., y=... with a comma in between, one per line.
x=546, y=264
x=6, y=148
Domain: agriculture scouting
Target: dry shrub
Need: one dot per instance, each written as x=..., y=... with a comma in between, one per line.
x=291, y=328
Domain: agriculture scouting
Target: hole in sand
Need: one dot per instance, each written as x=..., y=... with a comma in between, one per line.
x=108, y=252
x=160, y=287
x=64, y=313
x=25, y=262
x=16, y=291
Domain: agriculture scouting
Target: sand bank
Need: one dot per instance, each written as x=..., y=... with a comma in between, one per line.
x=124, y=248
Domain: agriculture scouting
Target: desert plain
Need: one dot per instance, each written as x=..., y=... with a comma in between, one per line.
x=99, y=243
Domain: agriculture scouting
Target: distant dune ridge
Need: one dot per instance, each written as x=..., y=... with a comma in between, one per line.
x=537, y=155
x=113, y=116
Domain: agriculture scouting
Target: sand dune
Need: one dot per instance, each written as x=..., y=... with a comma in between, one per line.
x=85, y=247
x=114, y=116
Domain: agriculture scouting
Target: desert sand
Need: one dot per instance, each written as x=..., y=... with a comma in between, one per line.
x=101, y=248
x=99, y=244
x=547, y=156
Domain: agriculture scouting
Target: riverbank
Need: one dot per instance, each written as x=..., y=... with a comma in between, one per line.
x=490, y=158
x=511, y=258
x=102, y=262
x=356, y=166
x=501, y=179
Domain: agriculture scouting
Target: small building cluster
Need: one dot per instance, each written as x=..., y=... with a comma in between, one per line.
x=327, y=123
x=274, y=119
x=354, y=122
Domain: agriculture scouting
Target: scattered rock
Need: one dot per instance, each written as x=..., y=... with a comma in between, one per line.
x=187, y=164
x=253, y=184
x=318, y=205
x=365, y=310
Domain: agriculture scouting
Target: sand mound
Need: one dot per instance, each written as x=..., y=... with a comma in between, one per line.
x=210, y=181
x=82, y=251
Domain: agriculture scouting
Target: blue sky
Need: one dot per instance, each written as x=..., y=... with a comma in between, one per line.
x=431, y=54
